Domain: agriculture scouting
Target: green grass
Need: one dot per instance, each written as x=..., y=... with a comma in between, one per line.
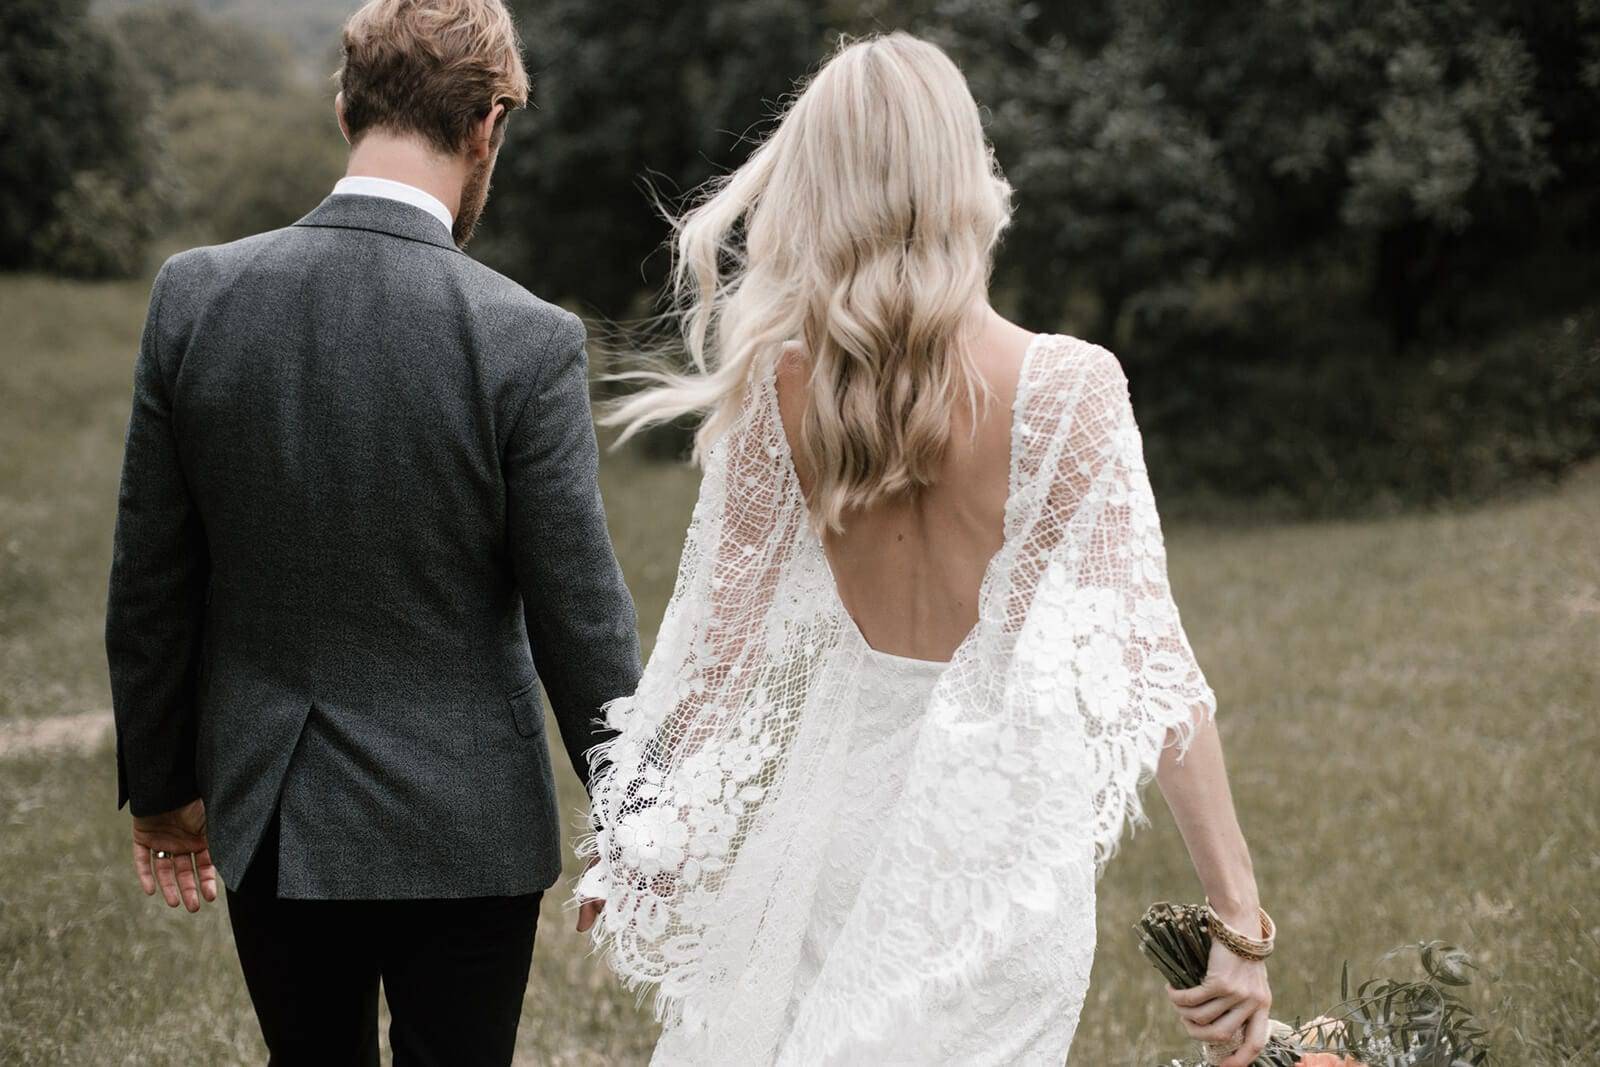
x=1409, y=707
x=66, y=373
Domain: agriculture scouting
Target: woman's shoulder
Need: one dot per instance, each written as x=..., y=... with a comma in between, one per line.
x=1069, y=376
x=790, y=373
x=1058, y=358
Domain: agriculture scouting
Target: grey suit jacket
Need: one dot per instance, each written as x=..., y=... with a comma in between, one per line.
x=358, y=524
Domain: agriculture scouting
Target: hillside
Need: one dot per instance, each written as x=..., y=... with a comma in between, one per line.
x=309, y=27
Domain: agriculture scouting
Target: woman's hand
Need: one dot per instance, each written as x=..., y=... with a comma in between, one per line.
x=1234, y=997
x=589, y=911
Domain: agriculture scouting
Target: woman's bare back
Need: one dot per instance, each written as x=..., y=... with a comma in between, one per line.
x=909, y=570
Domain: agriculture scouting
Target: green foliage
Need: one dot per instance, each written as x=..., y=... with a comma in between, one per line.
x=661, y=98
x=231, y=172
x=1315, y=418
x=74, y=140
x=1431, y=146
x=245, y=145
x=1152, y=143
x=155, y=114
x=1162, y=151
x=309, y=28
x=1119, y=187
x=1407, y=1023
x=99, y=228
x=1173, y=141
x=179, y=46
x=1373, y=186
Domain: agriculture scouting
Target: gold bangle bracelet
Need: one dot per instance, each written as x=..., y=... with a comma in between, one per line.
x=1253, y=949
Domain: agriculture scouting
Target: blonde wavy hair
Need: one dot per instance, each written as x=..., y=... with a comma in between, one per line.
x=862, y=229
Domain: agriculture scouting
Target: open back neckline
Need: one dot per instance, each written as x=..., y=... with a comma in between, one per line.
x=814, y=543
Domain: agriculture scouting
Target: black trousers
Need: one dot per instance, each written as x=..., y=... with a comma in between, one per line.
x=453, y=971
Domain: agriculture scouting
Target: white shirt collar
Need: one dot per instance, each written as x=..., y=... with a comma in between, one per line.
x=393, y=190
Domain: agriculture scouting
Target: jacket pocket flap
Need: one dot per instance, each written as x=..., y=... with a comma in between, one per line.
x=527, y=710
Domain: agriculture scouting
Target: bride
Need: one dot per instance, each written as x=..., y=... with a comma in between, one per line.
x=921, y=652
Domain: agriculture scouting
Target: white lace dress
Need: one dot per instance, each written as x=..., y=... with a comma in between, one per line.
x=816, y=853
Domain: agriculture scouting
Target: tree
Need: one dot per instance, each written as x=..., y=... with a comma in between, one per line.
x=1171, y=138
x=73, y=139
x=179, y=46
x=242, y=163
x=1119, y=188
x=1153, y=144
x=245, y=146
x=629, y=96
x=1401, y=124
x=309, y=29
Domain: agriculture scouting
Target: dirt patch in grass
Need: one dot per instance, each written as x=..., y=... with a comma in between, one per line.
x=82, y=732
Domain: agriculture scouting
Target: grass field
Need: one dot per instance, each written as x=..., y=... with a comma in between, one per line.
x=1410, y=710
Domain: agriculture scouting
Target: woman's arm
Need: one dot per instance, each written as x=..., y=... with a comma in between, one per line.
x=1196, y=787
x=1235, y=994
x=1118, y=596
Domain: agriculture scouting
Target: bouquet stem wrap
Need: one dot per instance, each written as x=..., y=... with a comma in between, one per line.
x=1175, y=938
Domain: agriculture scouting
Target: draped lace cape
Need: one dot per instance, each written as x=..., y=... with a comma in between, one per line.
x=712, y=802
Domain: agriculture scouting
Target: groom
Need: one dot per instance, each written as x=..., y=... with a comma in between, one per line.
x=358, y=525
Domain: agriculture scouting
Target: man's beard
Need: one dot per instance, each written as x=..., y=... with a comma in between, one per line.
x=474, y=195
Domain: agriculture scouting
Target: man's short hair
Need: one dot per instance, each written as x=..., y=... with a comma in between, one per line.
x=430, y=67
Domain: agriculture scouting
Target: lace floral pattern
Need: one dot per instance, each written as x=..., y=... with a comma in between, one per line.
x=715, y=804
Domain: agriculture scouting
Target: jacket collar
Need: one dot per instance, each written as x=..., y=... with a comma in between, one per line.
x=380, y=215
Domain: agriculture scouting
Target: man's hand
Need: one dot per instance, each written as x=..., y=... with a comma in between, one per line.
x=184, y=871
x=589, y=911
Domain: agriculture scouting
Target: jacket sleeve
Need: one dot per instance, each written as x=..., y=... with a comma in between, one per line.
x=155, y=611
x=580, y=615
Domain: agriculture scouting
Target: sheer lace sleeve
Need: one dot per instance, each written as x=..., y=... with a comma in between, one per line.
x=1103, y=625
x=694, y=754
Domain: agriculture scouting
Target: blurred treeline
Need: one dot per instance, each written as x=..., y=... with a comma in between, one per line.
x=150, y=121
x=1346, y=250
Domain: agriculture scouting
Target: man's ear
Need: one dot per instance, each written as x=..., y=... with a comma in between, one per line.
x=338, y=111
x=483, y=134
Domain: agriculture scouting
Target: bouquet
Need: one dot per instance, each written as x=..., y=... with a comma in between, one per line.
x=1383, y=1021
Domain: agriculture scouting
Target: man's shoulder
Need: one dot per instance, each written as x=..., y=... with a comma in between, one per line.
x=499, y=299
x=194, y=271
x=216, y=255
x=513, y=331
x=188, y=279
x=525, y=337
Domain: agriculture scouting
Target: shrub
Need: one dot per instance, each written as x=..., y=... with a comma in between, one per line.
x=99, y=228
x=243, y=163
x=1268, y=408
x=71, y=116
